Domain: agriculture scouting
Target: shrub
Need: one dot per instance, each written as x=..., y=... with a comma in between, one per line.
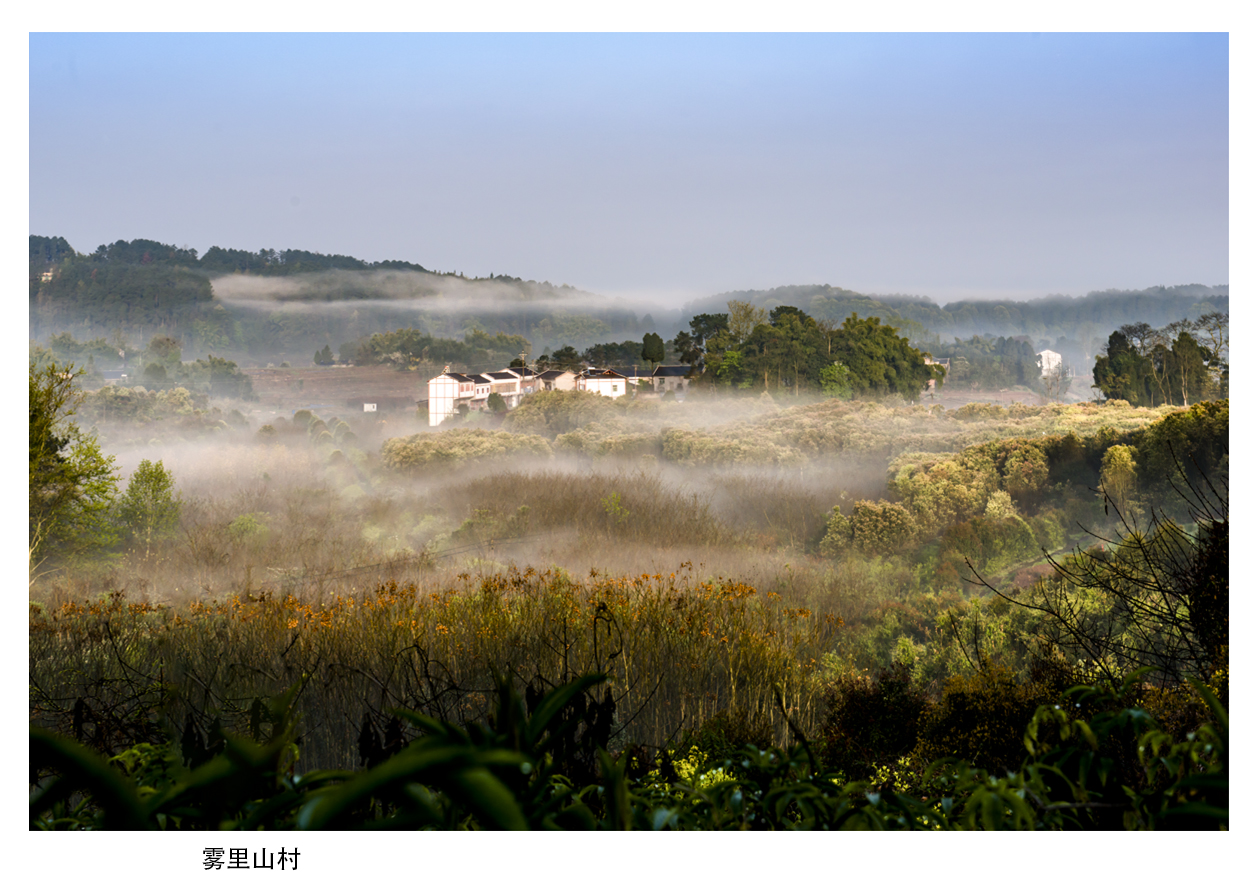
x=981, y=718
x=870, y=721
x=411, y=453
x=881, y=527
x=555, y=412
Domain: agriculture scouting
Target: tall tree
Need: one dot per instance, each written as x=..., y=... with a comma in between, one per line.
x=653, y=348
x=72, y=484
x=149, y=508
x=744, y=317
x=882, y=363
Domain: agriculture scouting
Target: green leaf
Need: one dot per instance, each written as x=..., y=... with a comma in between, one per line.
x=84, y=769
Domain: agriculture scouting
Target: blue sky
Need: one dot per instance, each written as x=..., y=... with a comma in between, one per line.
x=654, y=166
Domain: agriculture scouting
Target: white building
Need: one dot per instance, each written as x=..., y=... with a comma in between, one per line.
x=556, y=380
x=1049, y=362
x=450, y=390
x=605, y=383
x=446, y=393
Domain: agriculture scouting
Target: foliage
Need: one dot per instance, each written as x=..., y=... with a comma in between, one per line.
x=981, y=718
x=1169, y=365
x=530, y=766
x=72, y=485
x=424, y=450
x=677, y=649
x=989, y=363
x=837, y=381
x=149, y=508
x=554, y=412
x=872, y=527
x=653, y=348
x=1154, y=599
x=219, y=377
x=620, y=355
x=870, y=720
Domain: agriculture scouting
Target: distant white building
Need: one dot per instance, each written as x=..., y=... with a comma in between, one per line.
x=605, y=383
x=446, y=393
x=1049, y=362
x=551, y=381
x=450, y=390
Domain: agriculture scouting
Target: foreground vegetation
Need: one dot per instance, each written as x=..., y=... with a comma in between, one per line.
x=983, y=617
x=543, y=765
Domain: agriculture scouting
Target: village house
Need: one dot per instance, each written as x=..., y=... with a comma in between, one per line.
x=1049, y=361
x=447, y=392
x=671, y=378
x=451, y=390
x=550, y=381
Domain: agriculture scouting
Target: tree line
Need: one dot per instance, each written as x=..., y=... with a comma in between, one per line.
x=1178, y=364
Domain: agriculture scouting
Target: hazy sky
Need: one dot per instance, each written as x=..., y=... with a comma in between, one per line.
x=655, y=165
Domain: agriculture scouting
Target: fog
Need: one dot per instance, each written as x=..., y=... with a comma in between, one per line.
x=286, y=515
x=395, y=291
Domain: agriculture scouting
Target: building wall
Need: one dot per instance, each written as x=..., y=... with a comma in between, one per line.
x=444, y=395
x=613, y=389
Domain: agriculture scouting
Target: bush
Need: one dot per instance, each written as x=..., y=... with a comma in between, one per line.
x=981, y=718
x=870, y=721
x=411, y=453
x=555, y=412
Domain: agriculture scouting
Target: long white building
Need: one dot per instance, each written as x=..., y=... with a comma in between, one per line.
x=450, y=390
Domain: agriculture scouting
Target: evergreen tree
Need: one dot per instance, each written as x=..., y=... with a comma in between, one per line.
x=653, y=348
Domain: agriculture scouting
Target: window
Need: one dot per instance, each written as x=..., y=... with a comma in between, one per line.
x=614, y=387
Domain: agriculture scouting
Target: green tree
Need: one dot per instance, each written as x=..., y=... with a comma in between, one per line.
x=1119, y=478
x=881, y=361
x=837, y=381
x=744, y=317
x=154, y=376
x=566, y=358
x=72, y=484
x=1124, y=372
x=690, y=351
x=653, y=348
x=150, y=508
x=496, y=404
x=165, y=351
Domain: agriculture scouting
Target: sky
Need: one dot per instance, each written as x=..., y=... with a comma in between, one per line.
x=663, y=166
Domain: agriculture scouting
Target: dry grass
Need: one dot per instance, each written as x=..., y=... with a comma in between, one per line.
x=678, y=650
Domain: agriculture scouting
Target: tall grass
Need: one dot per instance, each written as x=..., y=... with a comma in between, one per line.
x=679, y=650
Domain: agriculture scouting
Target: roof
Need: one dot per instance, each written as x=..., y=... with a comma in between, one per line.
x=554, y=375
x=500, y=375
x=596, y=372
x=671, y=371
x=632, y=372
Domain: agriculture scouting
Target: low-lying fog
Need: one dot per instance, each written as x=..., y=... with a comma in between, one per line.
x=286, y=517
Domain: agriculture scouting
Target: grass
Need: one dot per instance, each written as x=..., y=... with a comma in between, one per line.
x=678, y=650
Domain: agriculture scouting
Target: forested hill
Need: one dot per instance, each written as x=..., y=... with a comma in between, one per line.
x=1086, y=319
x=289, y=302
